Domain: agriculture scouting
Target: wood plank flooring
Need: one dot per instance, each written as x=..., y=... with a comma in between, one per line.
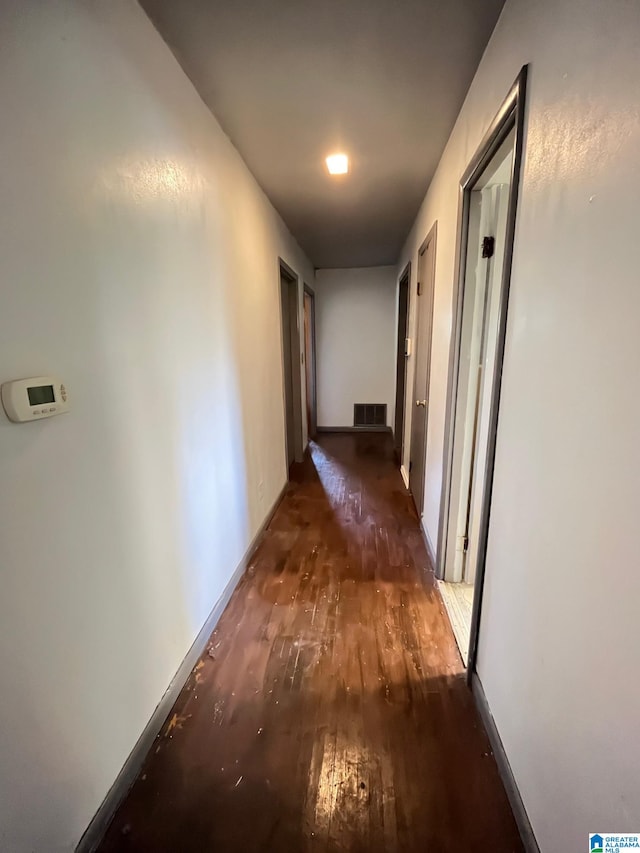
x=458, y=604
x=329, y=711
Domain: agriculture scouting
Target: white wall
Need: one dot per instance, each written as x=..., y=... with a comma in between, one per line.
x=356, y=330
x=138, y=261
x=560, y=631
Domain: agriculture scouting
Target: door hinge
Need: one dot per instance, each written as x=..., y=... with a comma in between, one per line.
x=463, y=544
x=488, y=246
x=410, y=466
x=419, y=288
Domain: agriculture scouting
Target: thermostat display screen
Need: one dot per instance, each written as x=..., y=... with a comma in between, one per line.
x=41, y=394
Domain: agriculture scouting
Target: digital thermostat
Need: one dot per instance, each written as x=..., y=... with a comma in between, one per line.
x=32, y=399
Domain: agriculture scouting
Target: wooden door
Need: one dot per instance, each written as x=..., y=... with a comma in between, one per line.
x=420, y=416
x=401, y=365
x=310, y=359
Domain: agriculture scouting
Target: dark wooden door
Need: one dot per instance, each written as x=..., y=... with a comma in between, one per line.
x=401, y=365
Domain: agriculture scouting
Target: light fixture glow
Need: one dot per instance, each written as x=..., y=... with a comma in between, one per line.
x=338, y=164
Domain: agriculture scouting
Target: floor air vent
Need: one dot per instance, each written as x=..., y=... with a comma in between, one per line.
x=370, y=415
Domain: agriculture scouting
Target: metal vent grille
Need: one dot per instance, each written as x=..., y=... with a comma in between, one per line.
x=369, y=414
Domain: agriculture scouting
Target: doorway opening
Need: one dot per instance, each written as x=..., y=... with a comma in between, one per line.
x=424, y=326
x=310, y=360
x=489, y=196
x=289, y=305
x=402, y=353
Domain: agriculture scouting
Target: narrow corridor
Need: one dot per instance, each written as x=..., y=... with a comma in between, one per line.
x=329, y=711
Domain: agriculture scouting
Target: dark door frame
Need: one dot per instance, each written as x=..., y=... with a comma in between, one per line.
x=510, y=115
x=310, y=369
x=404, y=284
x=287, y=274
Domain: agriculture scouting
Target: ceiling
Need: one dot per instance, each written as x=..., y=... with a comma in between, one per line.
x=292, y=81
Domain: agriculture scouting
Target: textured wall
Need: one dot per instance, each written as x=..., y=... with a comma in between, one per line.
x=559, y=633
x=138, y=262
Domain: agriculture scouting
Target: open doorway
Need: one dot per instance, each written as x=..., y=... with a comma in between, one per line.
x=489, y=196
x=401, y=362
x=424, y=327
x=310, y=359
x=291, y=364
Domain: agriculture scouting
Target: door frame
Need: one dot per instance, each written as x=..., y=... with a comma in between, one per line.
x=312, y=392
x=286, y=272
x=400, y=410
x=431, y=240
x=510, y=115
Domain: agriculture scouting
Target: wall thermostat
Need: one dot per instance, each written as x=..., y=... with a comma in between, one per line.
x=32, y=399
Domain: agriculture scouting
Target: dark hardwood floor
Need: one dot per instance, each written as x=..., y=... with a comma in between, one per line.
x=329, y=711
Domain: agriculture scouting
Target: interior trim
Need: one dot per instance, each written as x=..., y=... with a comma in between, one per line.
x=353, y=429
x=510, y=115
x=428, y=545
x=504, y=768
x=423, y=311
x=312, y=427
x=405, y=476
x=128, y=774
x=288, y=274
x=400, y=407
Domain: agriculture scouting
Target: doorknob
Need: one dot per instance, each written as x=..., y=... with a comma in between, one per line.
x=421, y=403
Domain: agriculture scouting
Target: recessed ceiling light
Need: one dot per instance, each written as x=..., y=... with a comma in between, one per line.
x=338, y=164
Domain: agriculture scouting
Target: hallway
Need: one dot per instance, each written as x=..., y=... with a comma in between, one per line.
x=329, y=711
